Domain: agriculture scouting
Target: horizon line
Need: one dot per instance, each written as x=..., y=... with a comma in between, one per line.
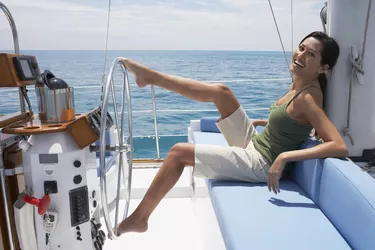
x=215, y=50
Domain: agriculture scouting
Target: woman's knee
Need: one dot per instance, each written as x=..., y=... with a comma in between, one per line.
x=223, y=94
x=222, y=91
x=183, y=152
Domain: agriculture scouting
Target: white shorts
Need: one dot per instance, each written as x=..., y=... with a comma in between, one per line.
x=238, y=161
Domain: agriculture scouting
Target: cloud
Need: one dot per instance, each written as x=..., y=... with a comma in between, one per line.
x=168, y=24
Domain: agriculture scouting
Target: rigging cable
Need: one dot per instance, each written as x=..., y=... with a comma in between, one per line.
x=278, y=32
x=106, y=49
x=291, y=23
x=357, y=70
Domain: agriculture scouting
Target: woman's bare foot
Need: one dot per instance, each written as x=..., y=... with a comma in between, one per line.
x=143, y=75
x=132, y=224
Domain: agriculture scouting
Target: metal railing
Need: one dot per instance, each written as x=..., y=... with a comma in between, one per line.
x=155, y=111
x=23, y=109
x=16, y=45
x=155, y=122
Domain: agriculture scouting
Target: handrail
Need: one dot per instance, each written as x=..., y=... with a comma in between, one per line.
x=191, y=110
x=155, y=122
x=5, y=199
x=239, y=81
x=12, y=26
x=16, y=49
x=23, y=109
x=155, y=111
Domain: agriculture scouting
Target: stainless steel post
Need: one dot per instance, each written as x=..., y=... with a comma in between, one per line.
x=16, y=49
x=5, y=199
x=155, y=121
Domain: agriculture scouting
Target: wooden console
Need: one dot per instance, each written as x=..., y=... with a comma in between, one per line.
x=18, y=70
x=80, y=128
x=9, y=119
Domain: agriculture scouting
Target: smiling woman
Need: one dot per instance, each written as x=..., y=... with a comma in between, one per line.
x=250, y=156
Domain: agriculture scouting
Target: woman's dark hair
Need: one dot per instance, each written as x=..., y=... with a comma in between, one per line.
x=330, y=54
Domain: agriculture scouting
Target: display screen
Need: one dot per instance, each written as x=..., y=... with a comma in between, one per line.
x=48, y=158
x=26, y=68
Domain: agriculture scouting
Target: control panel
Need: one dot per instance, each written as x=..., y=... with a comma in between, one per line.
x=95, y=117
x=79, y=206
x=18, y=70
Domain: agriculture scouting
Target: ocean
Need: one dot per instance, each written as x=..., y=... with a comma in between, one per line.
x=257, y=79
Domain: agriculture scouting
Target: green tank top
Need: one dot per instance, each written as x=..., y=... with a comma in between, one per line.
x=281, y=133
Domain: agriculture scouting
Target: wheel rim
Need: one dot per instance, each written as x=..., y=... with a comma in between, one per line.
x=121, y=149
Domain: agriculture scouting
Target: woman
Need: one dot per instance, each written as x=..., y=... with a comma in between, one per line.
x=250, y=156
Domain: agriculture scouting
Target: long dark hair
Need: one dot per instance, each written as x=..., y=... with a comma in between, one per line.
x=330, y=54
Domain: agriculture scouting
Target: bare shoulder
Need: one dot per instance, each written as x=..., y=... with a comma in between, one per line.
x=310, y=97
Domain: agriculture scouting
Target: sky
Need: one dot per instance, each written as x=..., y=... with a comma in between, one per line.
x=159, y=25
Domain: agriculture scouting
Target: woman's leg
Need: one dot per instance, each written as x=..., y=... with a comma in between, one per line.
x=219, y=94
x=179, y=156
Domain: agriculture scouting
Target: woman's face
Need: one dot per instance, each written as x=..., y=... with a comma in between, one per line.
x=306, y=61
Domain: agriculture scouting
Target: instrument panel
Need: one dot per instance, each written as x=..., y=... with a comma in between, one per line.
x=18, y=70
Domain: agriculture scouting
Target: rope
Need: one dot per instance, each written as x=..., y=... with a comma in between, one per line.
x=278, y=32
x=357, y=73
x=106, y=50
x=291, y=22
x=366, y=28
x=323, y=17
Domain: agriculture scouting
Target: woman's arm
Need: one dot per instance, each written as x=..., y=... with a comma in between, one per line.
x=259, y=123
x=333, y=145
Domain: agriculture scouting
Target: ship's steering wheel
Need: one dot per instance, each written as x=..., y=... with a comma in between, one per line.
x=124, y=148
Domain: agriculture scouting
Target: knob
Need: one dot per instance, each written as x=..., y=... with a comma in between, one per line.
x=77, y=164
x=77, y=180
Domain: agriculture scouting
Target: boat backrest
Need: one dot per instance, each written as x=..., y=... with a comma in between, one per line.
x=341, y=189
x=344, y=193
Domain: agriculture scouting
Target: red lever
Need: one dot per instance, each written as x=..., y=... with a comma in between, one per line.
x=41, y=204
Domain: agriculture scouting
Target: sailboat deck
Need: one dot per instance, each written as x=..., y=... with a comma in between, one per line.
x=173, y=225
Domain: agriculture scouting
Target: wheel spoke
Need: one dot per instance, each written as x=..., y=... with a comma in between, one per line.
x=115, y=106
x=118, y=190
x=131, y=145
x=111, y=161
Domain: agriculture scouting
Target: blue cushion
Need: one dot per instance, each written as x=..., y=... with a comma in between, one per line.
x=250, y=217
x=213, y=138
x=347, y=197
x=308, y=173
x=208, y=124
x=209, y=138
x=344, y=193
